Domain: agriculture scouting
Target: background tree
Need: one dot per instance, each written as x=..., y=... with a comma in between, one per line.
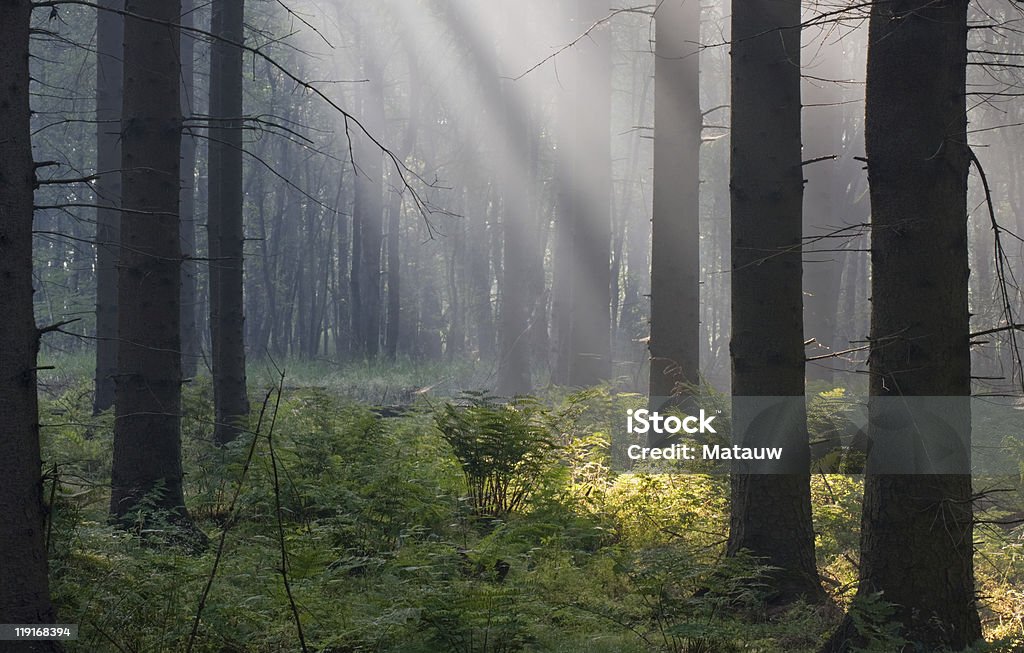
x=512, y=113
x=583, y=283
x=225, y=229
x=368, y=216
x=675, y=241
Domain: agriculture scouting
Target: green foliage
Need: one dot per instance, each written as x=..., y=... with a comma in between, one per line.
x=873, y=619
x=837, y=446
x=503, y=449
x=384, y=552
x=836, y=501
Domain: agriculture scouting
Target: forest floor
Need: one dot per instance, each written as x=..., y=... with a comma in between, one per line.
x=421, y=532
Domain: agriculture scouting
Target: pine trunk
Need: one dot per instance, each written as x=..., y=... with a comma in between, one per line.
x=917, y=539
x=771, y=508
x=147, y=430
x=226, y=233
x=190, y=353
x=109, y=42
x=24, y=588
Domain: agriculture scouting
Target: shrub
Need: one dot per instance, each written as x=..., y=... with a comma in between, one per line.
x=503, y=449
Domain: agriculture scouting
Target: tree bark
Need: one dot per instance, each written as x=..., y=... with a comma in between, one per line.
x=675, y=251
x=147, y=429
x=917, y=530
x=771, y=508
x=190, y=352
x=225, y=227
x=24, y=590
x=109, y=42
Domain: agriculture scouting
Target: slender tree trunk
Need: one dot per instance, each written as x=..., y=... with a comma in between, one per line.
x=225, y=227
x=917, y=539
x=394, y=310
x=343, y=321
x=367, y=219
x=147, y=429
x=189, y=291
x=109, y=41
x=455, y=336
x=675, y=252
x=24, y=589
x=771, y=507
x=480, y=272
x=632, y=318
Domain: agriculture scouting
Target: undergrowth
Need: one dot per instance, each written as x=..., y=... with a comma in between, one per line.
x=401, y=534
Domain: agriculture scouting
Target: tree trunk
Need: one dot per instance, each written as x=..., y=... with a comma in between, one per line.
x=109, y=41
x=147, y=429
x=771, y=506
x=917, y=529
x=24, y=590
x=675, y=252
x=226, y=233
x=368, y=218
x=394, y=309
x=480, y=268
x=190, y=352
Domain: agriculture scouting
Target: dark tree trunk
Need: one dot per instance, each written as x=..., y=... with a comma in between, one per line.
x=917, y=537
x=675, y=252
x=109, y=42
x=147, y=429
x=771, y=511
x=24, y=588
x=225, y=227
x=189, y=291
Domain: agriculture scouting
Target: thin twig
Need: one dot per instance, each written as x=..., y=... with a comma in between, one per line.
x=227, y=525
x=280, y=521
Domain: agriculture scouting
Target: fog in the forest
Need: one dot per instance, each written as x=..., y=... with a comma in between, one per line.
x=518, y=155
x=363, y=325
